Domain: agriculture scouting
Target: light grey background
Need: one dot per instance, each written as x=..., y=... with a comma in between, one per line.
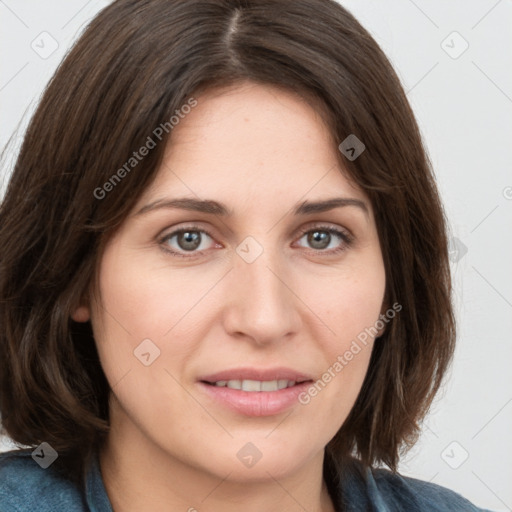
x=463, y=102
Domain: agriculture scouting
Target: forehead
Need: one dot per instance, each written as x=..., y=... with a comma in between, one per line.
x=264, y=107
x=252, y=142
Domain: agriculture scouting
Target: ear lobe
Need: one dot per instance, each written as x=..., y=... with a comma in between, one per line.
x=81, y=314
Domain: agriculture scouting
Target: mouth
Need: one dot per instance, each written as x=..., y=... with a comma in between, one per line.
x=250, y=375
x=252, y=386
x=253, y=392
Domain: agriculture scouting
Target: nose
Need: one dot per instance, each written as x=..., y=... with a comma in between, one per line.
x=262, y=306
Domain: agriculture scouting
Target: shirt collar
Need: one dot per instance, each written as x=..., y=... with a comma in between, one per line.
x=95, y=493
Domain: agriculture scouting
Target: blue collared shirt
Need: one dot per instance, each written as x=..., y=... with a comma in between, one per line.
x=26, y=487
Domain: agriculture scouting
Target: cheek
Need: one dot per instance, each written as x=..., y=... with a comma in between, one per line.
x=348, y=301
x=143, y=301
x=146, y=299
x=351, y=309
x=137, y=310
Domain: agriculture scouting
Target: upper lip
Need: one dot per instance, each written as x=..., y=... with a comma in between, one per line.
x=261, y=374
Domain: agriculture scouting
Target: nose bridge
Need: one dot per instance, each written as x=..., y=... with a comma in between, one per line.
x=262, y=306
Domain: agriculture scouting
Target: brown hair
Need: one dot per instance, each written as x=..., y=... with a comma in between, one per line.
x=136, y=64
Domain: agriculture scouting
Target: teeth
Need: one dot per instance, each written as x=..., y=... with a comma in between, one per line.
x=256, y=385
x=251, y=385
x=281, y=384
x=269, y=385
x=235, y=384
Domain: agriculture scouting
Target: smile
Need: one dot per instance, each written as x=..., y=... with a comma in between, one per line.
x=255, y=385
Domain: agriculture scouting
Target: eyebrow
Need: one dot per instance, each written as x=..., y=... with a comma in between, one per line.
x=215, y=208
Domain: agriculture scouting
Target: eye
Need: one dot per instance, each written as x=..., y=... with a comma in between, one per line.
x=191, y=240
x=327, y=239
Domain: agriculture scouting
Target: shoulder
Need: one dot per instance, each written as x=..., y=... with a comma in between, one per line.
x=25, y=486
x=399, y=492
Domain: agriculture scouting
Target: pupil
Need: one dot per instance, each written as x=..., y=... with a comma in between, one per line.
x=189, y=240
x=319, y=239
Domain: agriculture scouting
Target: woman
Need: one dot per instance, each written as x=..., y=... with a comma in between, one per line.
x=224, y=278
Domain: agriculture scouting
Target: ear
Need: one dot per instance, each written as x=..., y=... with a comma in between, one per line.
x=81, y=314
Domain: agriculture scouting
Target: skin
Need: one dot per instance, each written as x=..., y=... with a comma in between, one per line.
x=261, y=151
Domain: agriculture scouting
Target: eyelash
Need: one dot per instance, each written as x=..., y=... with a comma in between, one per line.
x=343, y=235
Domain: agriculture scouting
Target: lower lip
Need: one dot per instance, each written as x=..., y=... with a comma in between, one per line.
x=256, y=403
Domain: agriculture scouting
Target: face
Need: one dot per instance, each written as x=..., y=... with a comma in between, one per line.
x=265, y=287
